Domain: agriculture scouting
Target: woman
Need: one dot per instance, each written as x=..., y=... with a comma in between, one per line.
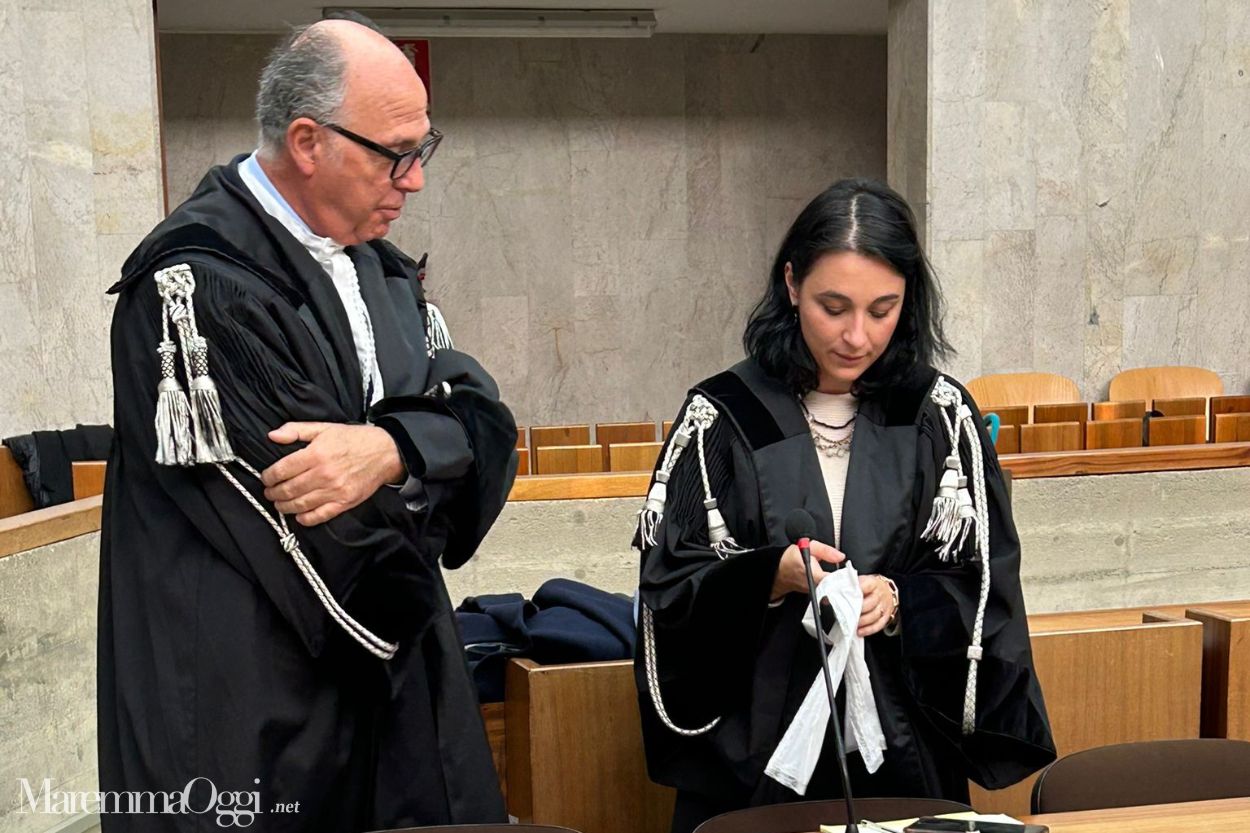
x=836, y=410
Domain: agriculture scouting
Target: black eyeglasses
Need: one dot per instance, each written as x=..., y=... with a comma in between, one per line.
x=401, y=163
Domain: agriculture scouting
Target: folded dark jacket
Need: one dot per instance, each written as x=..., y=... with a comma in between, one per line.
x=566, y=621
x=47, y=459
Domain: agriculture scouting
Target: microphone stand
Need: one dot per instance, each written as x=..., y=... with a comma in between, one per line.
x=852, y=821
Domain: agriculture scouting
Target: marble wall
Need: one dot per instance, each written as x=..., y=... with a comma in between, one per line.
x=1089, y=181
x=80, y=175
x=602, y=214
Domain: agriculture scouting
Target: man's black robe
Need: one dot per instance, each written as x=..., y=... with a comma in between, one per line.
x=216, y=659
x=722, y=651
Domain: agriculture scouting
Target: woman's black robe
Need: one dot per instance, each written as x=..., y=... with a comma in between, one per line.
x=216, y=659
x=722, y=651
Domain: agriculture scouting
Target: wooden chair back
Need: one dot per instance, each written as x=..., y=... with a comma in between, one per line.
x=1023, y=389
x=1061, y=412
x=1165, y=383
x=1176, y=430
x=1008, y=414
x=1052, y=436
x=1231, y=428
x=1113, y=433
x=1119, y=410
x=544, y=436
x=608, y=434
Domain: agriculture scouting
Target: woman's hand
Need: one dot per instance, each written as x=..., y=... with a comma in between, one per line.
x=792, y=578
x=879, y=607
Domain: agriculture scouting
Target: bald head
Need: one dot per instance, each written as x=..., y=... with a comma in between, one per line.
x=327, y=70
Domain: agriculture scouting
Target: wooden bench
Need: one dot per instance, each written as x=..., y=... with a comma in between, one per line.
x=1111, y=676
x=573, y=746
x=568, y=459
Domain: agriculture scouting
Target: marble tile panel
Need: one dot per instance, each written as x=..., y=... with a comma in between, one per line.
x=957, y=175
x=1223, y=179
x=1012, y=30
x=1223, y=311
x=20, y=305
x=959, y=267
x=1103, y=113
x=629, y=194
x=1160, y=330
x=1163, y=71
x=958, y=75
x=1059, y=309
x=1009, y=281
x=1056, y=150
x=1161, y=267
x=51, y=41
x=505, y=350
x=1010, y=177
x=1167, y=194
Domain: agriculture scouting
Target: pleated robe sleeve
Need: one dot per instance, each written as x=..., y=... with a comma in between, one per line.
x=938, y=604
x=709, y=612
x=270, y=368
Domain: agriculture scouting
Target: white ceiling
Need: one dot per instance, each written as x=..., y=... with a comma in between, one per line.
x=672, y=16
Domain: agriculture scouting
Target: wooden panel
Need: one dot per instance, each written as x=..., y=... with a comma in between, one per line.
x=1231, y=428
x=1119, y=410
x=581, y=486
x=633, y=456
x=1129, y=460
x=1178, y=430
x=523, y=461
x=47, y=526
x=608, y=434
x=1186, y=406
x=14, y=496
x=1062, y=412
x=1113, y=683
x=665, y=427
x=1009, y=414
x=551, y=435
x=520, y=438
x=1051, y=436
x=88, y=478
x=1225, y=668
x=1165, y=383
x=1023, y=388
x=493, y=720
x=568, y=459
x=1008, y=441
x=574, y=750
x=1227, y=815
x=1113, y=433
x=1228, y=405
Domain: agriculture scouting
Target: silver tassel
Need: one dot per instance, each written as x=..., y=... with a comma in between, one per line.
x=173, y=430
x=653, y=510
x=965, y=514
x=944, y=521
x=717, y=531
x=212, y=443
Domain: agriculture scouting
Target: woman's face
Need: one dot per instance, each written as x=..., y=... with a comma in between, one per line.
x=848, y=308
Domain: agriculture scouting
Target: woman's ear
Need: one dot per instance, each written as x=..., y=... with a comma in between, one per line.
x=794, y=293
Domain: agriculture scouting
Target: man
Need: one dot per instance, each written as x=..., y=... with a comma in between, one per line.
x=297, y=446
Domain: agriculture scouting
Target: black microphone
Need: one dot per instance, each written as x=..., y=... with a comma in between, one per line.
x=800, y=527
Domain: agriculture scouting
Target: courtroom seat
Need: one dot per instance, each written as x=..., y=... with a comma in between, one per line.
x=1148, y=772
x=1131, y=408
x=808, y=816
x=543, y=436
x=608, y=434
x=1150, y=383
x=568, y=459
x=1022, y=389
x=633, y=456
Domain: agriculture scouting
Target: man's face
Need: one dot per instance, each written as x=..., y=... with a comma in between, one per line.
x=355, y=198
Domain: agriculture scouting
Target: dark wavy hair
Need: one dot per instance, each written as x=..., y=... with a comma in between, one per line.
x=870, y=219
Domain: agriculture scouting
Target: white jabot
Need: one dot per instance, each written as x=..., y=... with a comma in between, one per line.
x=833, y=409
x=794, y=760
x=336, y=263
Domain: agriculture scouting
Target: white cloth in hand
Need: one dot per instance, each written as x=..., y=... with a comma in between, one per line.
x=795, y=757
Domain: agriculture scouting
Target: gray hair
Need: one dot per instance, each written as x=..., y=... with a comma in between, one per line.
x=305, y=78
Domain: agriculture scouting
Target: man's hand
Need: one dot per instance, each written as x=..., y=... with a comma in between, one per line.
x=342, y=466
x=791, y=577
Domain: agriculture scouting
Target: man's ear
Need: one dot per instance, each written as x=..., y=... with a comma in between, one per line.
x=305, y=145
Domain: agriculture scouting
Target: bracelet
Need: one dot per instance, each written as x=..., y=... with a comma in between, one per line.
x=893, y=598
